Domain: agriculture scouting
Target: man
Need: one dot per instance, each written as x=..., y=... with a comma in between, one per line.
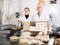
x=42, y=16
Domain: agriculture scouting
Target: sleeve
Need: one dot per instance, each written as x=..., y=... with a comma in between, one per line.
x=49, y=25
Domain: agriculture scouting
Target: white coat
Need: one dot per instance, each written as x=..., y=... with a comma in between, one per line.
x=23, y=18
x=43, y=17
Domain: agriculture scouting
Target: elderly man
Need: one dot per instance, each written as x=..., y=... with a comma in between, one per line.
x=42, y=15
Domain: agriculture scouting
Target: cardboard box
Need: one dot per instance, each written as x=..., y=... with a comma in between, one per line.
x=26, y=25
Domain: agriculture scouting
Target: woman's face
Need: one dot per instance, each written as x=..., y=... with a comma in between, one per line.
x=26, y=11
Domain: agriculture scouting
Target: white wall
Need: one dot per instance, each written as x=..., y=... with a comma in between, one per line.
x=1, y=4
x=54, y=9
x=1, y=12
x=28, y=3
x=59, y=13
x=6, y=10
x=14, y=6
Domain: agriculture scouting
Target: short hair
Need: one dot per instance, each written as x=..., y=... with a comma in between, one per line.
x=39, y=6
x=26, y=8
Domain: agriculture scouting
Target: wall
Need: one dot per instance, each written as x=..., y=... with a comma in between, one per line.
x=5, y=9
x=14, y=6
x=1, y=7
x=1, y=4
x=28, y=3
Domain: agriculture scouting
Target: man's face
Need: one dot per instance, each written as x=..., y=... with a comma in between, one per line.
x=39, y=9
x=26, y=11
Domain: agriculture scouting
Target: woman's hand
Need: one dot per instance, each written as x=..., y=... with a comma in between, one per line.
x=48, y=32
